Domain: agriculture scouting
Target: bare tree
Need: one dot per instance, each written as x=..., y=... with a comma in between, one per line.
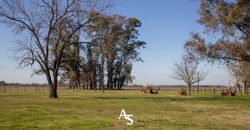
x=50, y=26
x=187, y=71
x=241, y=71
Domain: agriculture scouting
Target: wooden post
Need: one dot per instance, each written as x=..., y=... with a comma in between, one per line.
x=198, y=83
x=247, y=87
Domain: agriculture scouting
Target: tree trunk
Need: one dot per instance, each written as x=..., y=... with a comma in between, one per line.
x=238, y=85
x=53, y=87
x=110, y=79
x=122, y=82
x=245, y=87
x=53, y=92
x=189, y=89
x=198, y=85
x=76, y=66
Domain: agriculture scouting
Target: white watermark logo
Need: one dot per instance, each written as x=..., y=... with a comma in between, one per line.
x=127, y=117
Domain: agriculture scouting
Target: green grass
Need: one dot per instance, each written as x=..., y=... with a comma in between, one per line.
x=97, y=110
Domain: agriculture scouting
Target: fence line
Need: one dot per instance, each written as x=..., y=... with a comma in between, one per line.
x=20, y=89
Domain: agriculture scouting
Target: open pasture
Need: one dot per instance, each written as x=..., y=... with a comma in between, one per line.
x=85, y=109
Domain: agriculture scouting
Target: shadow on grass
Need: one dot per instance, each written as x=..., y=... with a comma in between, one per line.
x=74, y=98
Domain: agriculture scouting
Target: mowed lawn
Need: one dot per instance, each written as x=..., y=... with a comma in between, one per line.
x=95, y=110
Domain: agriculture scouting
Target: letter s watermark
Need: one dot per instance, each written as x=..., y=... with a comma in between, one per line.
x=127, y=117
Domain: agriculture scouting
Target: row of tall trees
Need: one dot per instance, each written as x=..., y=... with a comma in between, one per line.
x=108, y=56
x=74, y=41
x=230, y=20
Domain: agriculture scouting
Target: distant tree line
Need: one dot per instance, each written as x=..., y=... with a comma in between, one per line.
x=3, y=83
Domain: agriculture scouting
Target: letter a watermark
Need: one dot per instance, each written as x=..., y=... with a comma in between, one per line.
x=127, y=117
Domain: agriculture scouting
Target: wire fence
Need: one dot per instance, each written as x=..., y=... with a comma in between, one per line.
x=37, y=89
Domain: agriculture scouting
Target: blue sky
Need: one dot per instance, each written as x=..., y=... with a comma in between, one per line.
x=166, y=25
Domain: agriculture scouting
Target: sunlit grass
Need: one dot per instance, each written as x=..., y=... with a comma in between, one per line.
x=98, y=110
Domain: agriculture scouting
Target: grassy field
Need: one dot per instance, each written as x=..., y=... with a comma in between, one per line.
x=96, y=110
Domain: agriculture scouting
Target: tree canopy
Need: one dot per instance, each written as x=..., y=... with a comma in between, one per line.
x=231, y=21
